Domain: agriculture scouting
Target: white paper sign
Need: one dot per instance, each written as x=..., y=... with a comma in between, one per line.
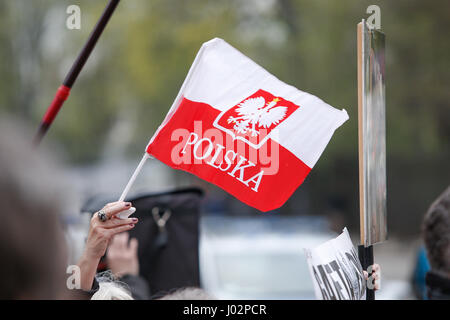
x=336, y=271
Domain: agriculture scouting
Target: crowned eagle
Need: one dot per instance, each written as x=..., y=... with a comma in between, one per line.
x=253, y=113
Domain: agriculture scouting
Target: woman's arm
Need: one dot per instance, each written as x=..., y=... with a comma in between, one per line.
x=100, y=233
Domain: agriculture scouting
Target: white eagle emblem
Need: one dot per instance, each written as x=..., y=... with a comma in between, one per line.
x=253, y=113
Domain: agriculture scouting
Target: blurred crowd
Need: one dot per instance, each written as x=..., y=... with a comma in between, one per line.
x=34, y=253
x=33, y=248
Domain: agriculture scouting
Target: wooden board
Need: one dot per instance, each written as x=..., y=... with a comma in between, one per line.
x=371, y=134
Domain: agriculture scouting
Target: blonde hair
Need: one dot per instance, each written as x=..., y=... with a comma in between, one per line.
x=109, y=289
x=189, y=293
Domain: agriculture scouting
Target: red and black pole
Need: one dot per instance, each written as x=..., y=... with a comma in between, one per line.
x=64, y=90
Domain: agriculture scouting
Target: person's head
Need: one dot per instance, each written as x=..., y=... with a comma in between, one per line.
x=189, y=293
x=32, y=246
x=436, y=233
x=110, y=289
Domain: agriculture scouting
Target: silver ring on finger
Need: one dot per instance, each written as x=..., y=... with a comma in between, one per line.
x=102, y=216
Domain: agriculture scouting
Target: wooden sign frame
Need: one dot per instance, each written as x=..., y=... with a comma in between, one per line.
x=371, y=134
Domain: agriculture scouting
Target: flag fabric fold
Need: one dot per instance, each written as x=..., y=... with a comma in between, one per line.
x=239, y=127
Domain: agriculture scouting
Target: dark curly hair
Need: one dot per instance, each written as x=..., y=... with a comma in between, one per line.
x=436, y=233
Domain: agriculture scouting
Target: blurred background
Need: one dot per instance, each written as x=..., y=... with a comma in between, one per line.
x=141, y=60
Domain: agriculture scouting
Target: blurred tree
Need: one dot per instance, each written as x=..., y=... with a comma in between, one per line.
x=147, y=49
x=140, y=62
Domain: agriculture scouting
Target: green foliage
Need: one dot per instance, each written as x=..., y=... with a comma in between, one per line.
x=146, y=50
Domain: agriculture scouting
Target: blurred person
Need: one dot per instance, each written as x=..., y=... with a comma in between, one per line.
x=375, y=276
x=110, y=289
x=189, y=293
x=33, y=251
x=122, y=260
x=32, y=245
x=436, y=234
x=421, y=268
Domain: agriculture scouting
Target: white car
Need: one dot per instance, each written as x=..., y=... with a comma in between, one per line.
x=258, y=258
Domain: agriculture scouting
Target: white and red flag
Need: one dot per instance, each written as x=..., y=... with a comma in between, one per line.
x=237, y=126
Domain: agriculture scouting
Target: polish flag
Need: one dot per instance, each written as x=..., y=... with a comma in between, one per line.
x=237, y=126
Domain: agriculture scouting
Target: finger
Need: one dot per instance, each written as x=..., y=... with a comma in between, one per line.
x=113, y=223
x=377, y=286
x=125, y=236
x=134, y=245
x=116, y=208
x=113, y=242
x=120, y=241
x=366, y=275
x=112, y=232
x=110, y=204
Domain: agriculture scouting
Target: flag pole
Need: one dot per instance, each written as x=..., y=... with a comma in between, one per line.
x=134, y=176
x=64, y=90
x=125, y=214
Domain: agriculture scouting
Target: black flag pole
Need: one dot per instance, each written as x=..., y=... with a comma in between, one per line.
x=64, y=90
